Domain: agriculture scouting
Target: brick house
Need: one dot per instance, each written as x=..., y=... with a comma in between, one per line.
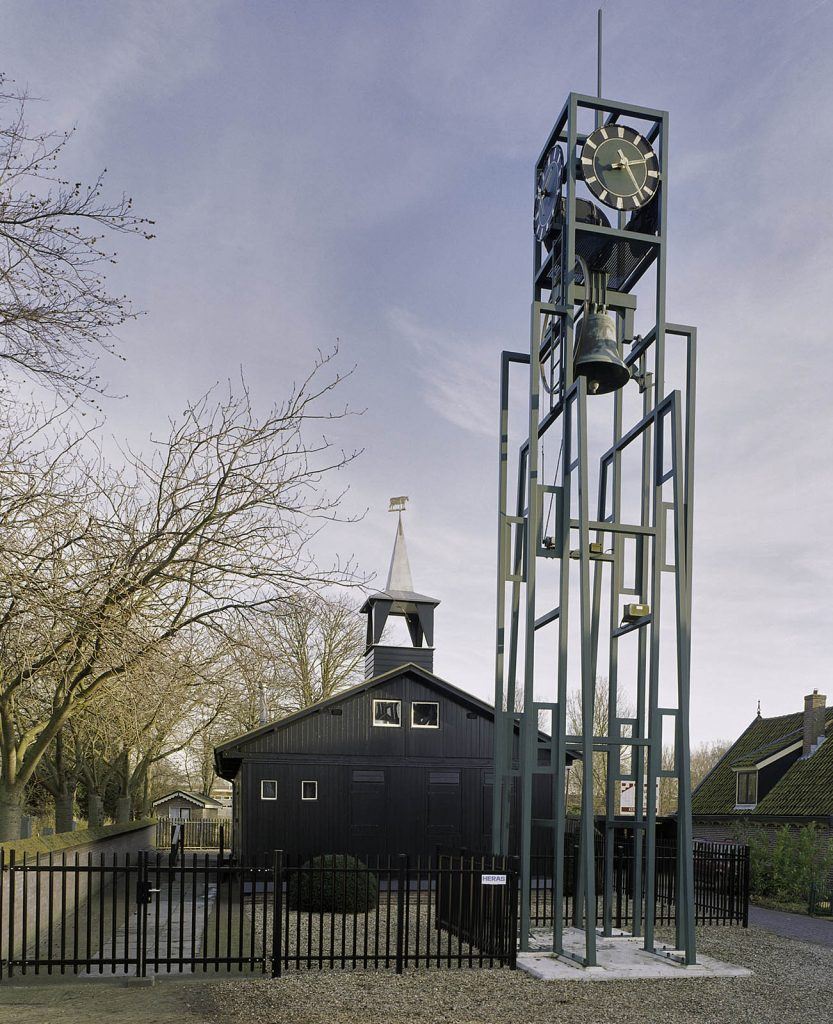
x=778, y=772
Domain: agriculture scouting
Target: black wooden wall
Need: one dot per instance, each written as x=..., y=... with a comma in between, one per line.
x=380, y=790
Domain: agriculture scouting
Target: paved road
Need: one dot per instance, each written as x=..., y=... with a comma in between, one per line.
x=793, y=926
x=188, y=914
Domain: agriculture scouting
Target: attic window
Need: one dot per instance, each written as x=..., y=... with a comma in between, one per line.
x=309, y=789
x=425, y=714
x=747, y=795
x=387, y=713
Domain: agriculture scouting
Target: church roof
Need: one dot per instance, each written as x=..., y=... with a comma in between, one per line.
x=227, y=755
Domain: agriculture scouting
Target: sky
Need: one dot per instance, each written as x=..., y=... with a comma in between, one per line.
x=362, y=172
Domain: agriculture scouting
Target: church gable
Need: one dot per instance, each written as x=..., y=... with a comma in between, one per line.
x=406, y=712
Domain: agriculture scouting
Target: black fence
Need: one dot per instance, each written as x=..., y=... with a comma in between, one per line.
x=820, y=899
x=192, y=835
x=154, y=913
x=721, y=883
x=130, y=915
x=151, y=914
x=477, y=901
x=446, y=911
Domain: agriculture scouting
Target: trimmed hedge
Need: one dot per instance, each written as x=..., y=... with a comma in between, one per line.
x=333, y=882
x=67, y=840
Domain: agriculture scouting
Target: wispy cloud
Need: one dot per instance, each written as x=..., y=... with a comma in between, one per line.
x=458, y=373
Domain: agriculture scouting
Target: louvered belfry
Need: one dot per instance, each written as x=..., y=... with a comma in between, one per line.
x=399, y=599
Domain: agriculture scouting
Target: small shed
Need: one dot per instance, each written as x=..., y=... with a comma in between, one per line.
x=181, y=805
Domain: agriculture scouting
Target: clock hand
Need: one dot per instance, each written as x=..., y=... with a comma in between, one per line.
x=620, y=164
x=624, y=162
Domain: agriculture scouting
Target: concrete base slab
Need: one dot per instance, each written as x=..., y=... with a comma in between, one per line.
x=620, y=957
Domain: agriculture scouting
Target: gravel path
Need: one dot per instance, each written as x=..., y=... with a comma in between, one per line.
x=793, y=984
x=332, y=934
x=793, y=926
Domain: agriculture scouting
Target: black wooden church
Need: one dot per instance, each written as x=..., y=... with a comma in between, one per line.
x=400, y=763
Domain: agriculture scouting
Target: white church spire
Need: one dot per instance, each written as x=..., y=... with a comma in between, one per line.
x=399, y=574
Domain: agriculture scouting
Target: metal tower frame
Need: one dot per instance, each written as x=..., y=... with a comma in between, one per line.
x=630, y=559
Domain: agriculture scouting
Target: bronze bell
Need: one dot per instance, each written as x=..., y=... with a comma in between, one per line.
x=597, y=354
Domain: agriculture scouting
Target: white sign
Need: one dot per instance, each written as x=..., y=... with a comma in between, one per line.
x=493, y=880
x=627, y=798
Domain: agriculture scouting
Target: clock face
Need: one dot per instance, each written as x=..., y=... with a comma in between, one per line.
x=547, y=194
x=620, y=168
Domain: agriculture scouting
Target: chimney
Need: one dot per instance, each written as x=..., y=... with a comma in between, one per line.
x=814, y=706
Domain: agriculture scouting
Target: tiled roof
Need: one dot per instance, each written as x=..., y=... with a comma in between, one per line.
x=753, y=757
x=805, y=789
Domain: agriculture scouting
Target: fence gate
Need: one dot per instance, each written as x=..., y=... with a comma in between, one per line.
x=132, y=915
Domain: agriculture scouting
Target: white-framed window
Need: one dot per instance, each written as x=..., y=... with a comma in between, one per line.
x=268, y=789
x=425, y=714
x=387, y=714
x=309, y=789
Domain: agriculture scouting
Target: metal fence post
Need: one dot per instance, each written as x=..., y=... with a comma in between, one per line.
x=438, y=890
x=141, y=914
x=400, y=911
x=514, y=866
x=12, y=888
x=746, y=872
x=577, y=899
x=2, y=879
x=277, y=912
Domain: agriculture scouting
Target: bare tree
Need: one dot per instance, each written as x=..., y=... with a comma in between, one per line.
x=600, y=728
x=60, y=775
x=303, y=651
x=100, y=568
x=703, y=757
x=159, y=708
x=56, y=313
x=198, y=761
